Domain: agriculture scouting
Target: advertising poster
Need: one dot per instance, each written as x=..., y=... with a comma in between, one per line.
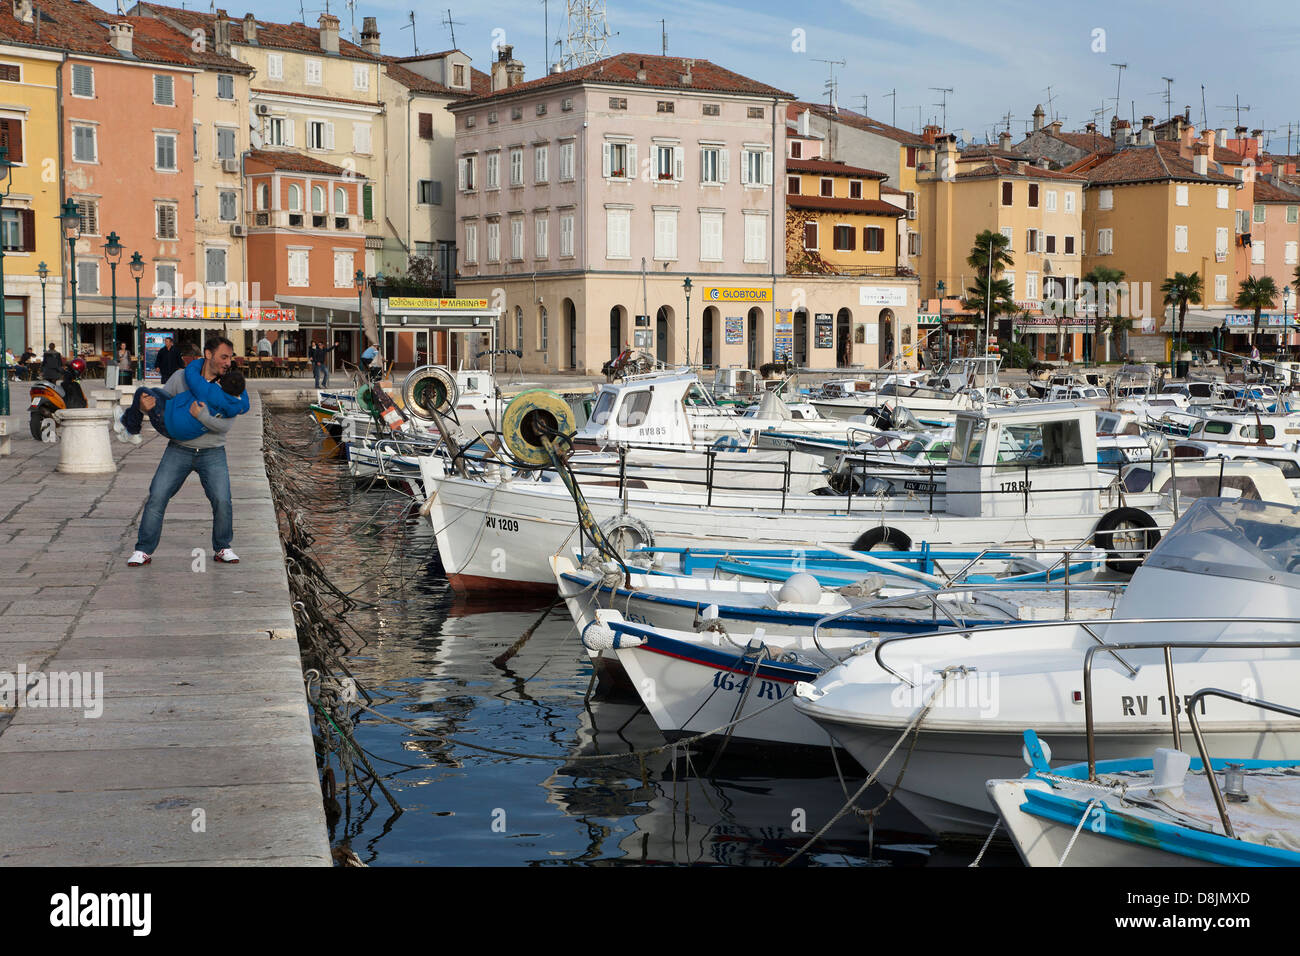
x=735, y=329
x=153, y=343
x=825, y=330
x=783, y=335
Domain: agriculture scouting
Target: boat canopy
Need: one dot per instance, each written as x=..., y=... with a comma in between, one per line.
x=1234, y=538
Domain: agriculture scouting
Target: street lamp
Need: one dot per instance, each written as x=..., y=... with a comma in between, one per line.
x=943, y=331
x=113, y=255
x=687, y=286
x=7, y=175
x=379, y=281
x=137, y=272
x=43, y=273
x=360, y=280
x=70, y=218
x=1286, y=301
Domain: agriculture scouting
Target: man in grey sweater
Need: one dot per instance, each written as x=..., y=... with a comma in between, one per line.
x=205, y=454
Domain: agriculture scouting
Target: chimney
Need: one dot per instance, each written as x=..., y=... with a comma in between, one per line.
x=250, y=29
x=1004, y=140
x=930, y=133
x=1201, y=159
x=506, y=70
x=120, y=37
x=1039, y=115
x=640, y=72
x=1148, y=122
x=23, y=11
x=1090, y=128
x=946, y=158
x=1053, y=127
x=1210, y=139
x=329, y=32
x=1258, y=136
x=804, y=129
x=1021, y=167
x=370, y=36
x=686, y=78
x=221, y=34
x=1120, y=130
x=1041, y=162
x=1223, y=135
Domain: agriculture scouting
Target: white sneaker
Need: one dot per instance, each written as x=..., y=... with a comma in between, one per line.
x=226, y=556
x=138, y=559
x=118, y=428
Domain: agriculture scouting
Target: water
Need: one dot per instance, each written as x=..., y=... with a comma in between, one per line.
x=426, y=655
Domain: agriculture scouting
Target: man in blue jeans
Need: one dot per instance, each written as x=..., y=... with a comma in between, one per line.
x=205, y=454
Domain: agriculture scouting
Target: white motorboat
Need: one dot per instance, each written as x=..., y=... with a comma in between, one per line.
x=1227, y=571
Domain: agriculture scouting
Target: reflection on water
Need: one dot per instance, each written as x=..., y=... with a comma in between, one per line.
x=427, y=657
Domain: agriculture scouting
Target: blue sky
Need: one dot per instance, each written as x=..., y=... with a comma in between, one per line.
x=997, y=56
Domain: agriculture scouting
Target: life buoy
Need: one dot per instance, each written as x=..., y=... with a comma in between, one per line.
x=891, y=538
x=1123, y=531
x=429, y=389
x=530, y=417
x=625, y=533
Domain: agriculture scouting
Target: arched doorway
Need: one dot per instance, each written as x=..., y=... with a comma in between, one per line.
x=843, y=339
x=801, y=338
x=664, y=334
x=571, y=333
x=754, y=329
x=886, y=322
x=616, y=342
x=711, y=337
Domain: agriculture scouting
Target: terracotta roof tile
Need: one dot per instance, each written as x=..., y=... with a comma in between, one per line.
x=1088, y=142
x=313, y=96
x=985, y=151
x=873, y=207
x=866, y=124
x=293, y=162
x=1140, y=164
x=418, y=82
x=833, y=168
x=1266, y=191
x=662, y=72
x=280, y=36
x=890, y=191
x=999, y=167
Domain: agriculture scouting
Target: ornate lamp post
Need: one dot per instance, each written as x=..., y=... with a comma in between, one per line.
x=6, y=175
x=687, y=286
x=113, y=255
x=137, y=272
x=43, y=272
x=379, y=282
x=1286, y=302
x=360, y=281
x=70, y=218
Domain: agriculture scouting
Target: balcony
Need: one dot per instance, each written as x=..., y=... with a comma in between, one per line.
x=830, y=269
x=283, y=219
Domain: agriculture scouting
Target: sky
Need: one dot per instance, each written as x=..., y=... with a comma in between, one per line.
x=996, y=57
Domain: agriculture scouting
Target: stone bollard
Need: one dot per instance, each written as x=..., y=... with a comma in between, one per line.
x=105, y=398
x=84, y=441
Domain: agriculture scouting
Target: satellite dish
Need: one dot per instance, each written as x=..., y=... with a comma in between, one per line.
x=255, y=138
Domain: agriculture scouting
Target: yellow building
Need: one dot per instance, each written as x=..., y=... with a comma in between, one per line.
x=1150, y=212
x=29, y=127
x=836, y=221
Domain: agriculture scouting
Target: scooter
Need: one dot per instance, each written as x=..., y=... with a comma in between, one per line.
x=48, y=398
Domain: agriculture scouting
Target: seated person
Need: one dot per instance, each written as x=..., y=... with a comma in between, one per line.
x=173, y=416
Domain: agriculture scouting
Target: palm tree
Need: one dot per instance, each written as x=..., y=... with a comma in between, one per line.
x=1180, y=290
x=1256, y=293
x=990, y=294
x=1101, y=279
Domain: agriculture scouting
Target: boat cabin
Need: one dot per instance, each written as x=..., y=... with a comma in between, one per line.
x=664, y=409
x=1252, y=429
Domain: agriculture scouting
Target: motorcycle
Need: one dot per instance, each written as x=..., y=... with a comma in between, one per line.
x=48, y=398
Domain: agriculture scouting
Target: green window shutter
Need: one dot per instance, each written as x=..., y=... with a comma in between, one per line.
x=368, y=201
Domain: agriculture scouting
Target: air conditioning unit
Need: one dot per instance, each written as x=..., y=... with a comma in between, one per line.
x=911, y=214
x=263, y=109
x=238, y=230
x=230, y=165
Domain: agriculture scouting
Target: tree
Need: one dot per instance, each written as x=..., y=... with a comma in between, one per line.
x=799, y=260
x=1180, y=290
x=1103, y=280
x=1256, y=293
x=990, y=296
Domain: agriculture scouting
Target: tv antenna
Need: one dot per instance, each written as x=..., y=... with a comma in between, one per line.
x=588, y=33
x=1238, y=107
x=830, y=86
x=447, y=22
x=1050, y=111
x=352, y=9
x=1119, y=76
x=943, y=91
x=866, y=109
x=1169, y=97
x=893, y=96
x=663, y=36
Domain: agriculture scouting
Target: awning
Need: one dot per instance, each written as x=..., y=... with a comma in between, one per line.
x=202, y=325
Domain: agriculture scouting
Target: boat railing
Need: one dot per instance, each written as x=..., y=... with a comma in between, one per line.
x=403, y=446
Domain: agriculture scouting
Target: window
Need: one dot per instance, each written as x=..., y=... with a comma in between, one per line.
x=634, y=408
x=318, y=199
x=165, y=151
x=1221, y=243
x=855, y=189
x=360, y=76
x=313, y=71
x=493, y=171
x=344, y=273
x=83, y=80
x=1011, y=242
x=458, y=74
x=541, y=226
x=911, y=204
x=225, y=142
x=711, y=237
x=541, y=154
x=1105, y=241
x=755, y=238
x=1291, y=213
x=84, y=146
x=913, y=243
x=426, y=126
x=164, y=93
x=618, y=102
x=225, y=86
x=566, y=235
x=1050, y=201
x=1259, y=212
x=227, y=205
x=196, y=204
x=1031, y=240
x=1242, y=217
x=710, y=109
x=516, y=167
x=1008, y=191
x=792, y=185
x=368, y=202
x=1220, y=288
x=911, y=157
x=519, y=326
x=619, y=160
x=492, y=117
x=471, y=242
x=810, y=236
x=1069, y=243
x=665, y=106
x=429, y=192
x=320, y=134
x=757, y=167
x=665, y=234
x=1051, y=243
x=88, y=278
x=295, y=197
x=1033, y=195
x=664, y=163
x=164, y=279
x=1069, y=202
x=1180, y=238
x=11, y=138
x=19, y=230
x=263, y=196
x=713, y=165
x=1031, y=285
x=543, y=327
x=873, y=239
x=541, y=109
x=465, y=174
x=276, y=131
x=566, y=162
x=1257, y=252
x=516, y=112
x=1180, y=195
x=1240, y=174
x=843, y=239
x=618, y=233
x=299, y=267
x=1291, y=252
x=796, y=149
x=494, y=241
x=165, y=220
x=215, y=263
x=754, y=112
x=361, y=138
x=1106, y=199
x=1011, y=281
x=340, y=201
x=1221, y=198
x=516, y=238
x=275, y=66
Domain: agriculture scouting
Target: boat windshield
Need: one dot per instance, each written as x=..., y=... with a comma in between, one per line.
x=1241, y=538
x=604, y=405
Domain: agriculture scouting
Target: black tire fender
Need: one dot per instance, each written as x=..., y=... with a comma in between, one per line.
x=894, y=539
x=1134, y=518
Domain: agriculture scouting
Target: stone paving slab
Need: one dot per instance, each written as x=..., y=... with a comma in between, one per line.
x=201, y=708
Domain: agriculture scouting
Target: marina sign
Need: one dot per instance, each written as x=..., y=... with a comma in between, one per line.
x=402, y=303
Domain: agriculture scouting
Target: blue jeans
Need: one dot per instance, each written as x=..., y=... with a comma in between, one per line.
x=177, y=463
x=321, y=373
x=133, y=417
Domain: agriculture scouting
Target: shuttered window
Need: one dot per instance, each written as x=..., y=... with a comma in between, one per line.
x=368, y=202
x=164, y=93
x=810, y=236
x=216, y=265
x=426, y=126
x=83, y=80
x=165, y=217
x=11, y=138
